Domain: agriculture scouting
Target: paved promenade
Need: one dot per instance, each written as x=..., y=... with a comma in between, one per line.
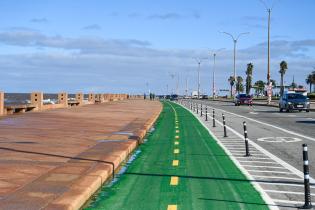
x=57, y=159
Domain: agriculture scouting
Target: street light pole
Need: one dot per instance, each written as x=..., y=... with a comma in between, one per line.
x=198, y=60
x=199, y=79
x=213, y=73
x=213, y=76
x=234, y=57
x=268, y=68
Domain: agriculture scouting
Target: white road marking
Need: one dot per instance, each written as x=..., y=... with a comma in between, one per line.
x=267, y=153
x=253, y=113
x=253, y=161
x=285, y=184
x=267, y=124
x=276, y=177
x=287, y=201
x=255, y=166
x=287, y=192
x=256, y=158
x=276, y=172
x=279, y=139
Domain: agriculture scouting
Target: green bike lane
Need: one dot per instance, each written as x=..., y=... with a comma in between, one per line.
x=180, y=167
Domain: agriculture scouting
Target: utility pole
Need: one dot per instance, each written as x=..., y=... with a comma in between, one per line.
x=186, y=87
x=234, y=57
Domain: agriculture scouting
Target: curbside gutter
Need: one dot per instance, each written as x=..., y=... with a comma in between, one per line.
x=83, y=188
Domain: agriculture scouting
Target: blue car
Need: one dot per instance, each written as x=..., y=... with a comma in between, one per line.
x=294, y=101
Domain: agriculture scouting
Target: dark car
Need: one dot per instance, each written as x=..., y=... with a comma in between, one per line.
x=294, y=101
x=204, y=97
x=174, y=97
x=243, y=99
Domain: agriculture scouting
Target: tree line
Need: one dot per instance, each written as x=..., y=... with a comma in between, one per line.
x=260, y=85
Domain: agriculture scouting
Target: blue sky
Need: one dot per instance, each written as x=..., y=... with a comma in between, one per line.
x=119, y=46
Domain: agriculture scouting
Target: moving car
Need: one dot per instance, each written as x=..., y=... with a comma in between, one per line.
x=243, y=99
x=174, y=97
x=294, y=101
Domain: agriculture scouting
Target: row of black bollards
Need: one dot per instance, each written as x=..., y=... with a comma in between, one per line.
x=307, y=191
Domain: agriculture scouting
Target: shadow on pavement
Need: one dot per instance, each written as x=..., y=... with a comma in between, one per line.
x=217, y=178
x=60, y=156
x=306, y=121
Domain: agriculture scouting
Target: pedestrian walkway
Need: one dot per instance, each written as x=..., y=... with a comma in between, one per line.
x=180, y=167
x=57, y=159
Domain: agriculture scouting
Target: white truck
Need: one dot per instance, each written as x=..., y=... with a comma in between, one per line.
x=194, y=94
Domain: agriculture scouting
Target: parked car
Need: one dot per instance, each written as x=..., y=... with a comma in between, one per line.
x=243, y=99
x=294, y=101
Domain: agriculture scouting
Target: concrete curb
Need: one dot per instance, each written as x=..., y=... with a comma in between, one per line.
x=84, y=187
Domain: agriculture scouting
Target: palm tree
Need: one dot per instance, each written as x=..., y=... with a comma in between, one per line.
x=274, y=83
x=310, y=80
x=260, y=86
x=283, y=69
x=231, y=81
x=249, y=74
x=239, y=84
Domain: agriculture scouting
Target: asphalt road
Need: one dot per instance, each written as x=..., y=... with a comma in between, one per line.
x=267, y=127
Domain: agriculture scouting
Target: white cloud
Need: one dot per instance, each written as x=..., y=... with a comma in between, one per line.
x=121, y=65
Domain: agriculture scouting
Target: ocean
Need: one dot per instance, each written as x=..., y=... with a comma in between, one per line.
x=24, y=98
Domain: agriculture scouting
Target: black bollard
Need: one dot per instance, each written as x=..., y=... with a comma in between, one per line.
x=197, y=108
x=307, y=191
x=213, y=118
x=200, y=110
x=246, y=139
x=224, y=126
x=206, y=114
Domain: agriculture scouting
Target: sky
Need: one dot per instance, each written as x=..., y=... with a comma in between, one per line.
x=136, y=46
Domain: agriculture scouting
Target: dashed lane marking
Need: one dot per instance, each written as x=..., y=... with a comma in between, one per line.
x=176, y=143
x=172, y=207
x=176, y=151
x=177, y=131
x=174, y=180
x=175, y=162
x=176, y=137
